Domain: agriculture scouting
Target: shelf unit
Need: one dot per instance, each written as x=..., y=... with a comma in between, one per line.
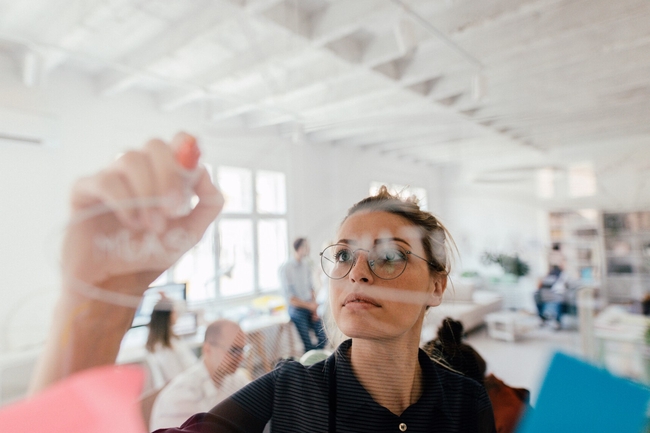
x=627, y=255
x=579, y=235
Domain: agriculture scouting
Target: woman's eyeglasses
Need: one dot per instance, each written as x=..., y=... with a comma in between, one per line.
x=386, y=261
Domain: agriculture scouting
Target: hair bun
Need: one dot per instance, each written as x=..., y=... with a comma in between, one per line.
x=450, y=332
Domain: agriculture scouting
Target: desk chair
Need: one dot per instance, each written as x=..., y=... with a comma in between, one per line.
x=313, y=356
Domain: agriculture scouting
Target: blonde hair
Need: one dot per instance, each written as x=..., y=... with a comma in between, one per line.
x=439, y=246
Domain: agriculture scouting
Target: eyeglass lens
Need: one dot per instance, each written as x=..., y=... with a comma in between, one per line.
x=387, y=261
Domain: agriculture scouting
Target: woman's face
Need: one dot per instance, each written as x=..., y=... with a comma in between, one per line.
x=366, y=306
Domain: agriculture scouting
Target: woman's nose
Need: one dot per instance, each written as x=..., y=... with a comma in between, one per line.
x=361, y=271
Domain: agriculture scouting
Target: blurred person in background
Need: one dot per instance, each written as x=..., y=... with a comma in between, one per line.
x=508, y=403
x=449, y=348
x=298, y=288
x=168, y=355
x=213, y=378
x=552, y=295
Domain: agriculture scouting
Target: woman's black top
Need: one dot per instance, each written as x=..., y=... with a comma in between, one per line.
x=296, y=398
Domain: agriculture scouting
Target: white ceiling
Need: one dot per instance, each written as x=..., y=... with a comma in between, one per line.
x=495, y=83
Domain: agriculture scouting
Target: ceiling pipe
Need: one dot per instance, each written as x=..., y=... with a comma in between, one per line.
x=437, y=33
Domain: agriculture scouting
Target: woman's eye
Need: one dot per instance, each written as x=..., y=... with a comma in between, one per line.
x=391, y=256
x=343, y=256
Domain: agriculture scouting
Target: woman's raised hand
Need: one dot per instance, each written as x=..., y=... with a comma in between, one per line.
x=129, y=223
x=133, y=220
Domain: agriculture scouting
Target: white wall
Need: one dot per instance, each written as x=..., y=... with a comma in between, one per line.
x=323, y=181
x=35, y=184
x=492, y=220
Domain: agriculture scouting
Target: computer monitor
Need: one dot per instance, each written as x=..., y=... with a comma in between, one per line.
x=173, y=291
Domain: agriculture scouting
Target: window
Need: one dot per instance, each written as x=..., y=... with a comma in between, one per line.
x=236, y=257
x=197, y=267
x=252, y=231
x=582, y=181
x=546, y=182
x=403, y=191
x=241, y=252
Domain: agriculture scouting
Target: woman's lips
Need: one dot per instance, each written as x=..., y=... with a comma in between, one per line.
x=356, y=300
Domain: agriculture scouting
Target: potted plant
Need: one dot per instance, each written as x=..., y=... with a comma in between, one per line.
x=511, y=264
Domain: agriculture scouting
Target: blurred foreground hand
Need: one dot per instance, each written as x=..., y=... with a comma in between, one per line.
x=129, y=223
x=132, y=221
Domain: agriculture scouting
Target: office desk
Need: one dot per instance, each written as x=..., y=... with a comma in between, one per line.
x=620, y=342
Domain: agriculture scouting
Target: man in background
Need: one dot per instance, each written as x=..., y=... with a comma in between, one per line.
x=213, y=378
x=296, y=281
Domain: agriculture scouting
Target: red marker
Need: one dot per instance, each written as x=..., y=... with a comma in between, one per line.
x=188, y=154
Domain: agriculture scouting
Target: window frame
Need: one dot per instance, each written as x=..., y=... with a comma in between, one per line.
x=254, y=216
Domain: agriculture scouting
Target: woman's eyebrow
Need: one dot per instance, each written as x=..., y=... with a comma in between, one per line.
x=377, y=241
x=384, y=240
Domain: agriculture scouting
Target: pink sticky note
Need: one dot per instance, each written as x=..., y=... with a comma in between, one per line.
x=101, y=400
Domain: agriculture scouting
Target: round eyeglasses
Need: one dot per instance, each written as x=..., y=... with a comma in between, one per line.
x=386, y=261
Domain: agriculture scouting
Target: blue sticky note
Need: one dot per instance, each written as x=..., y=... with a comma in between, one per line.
x=579, y=397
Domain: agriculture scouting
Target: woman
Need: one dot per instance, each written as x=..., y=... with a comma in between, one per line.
x=388, y=266
x=168, y=355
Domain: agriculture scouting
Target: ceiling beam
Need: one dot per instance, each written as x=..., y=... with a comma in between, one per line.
x=259, y=118
x=260, y=6
x=378, y=128
x=342, y=18
x=176, y=36
x=329, y=77
x=388, y=139
x=330, y=24
x=419, y=145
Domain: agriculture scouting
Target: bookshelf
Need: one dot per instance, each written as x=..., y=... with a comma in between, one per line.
x=627, y=255
x=578, y=233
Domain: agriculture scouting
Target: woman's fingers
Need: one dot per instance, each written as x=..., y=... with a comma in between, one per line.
x=137, y=169
x=145, y=189
x=209, y=205
x=168, y=178
x=108, y=188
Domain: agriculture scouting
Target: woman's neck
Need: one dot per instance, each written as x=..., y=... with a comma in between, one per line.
x=389, y=371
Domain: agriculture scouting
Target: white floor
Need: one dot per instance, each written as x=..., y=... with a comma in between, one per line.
x=522, y=364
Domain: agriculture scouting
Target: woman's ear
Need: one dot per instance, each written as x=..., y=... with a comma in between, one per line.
x=439, y=283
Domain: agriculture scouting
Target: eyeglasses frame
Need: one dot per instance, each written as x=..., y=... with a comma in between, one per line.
x=354, y=262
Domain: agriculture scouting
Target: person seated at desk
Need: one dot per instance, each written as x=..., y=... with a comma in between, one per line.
x=167, y=355
x=551, y=296
x=213, y=378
